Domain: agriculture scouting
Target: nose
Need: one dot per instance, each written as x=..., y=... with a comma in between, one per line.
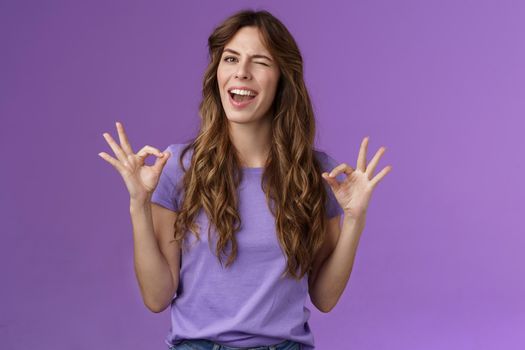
x=242, y=71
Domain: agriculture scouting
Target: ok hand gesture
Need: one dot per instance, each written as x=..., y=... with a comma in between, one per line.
x=141, y=180
x=354, y=192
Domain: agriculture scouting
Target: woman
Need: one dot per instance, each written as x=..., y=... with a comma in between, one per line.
x=248, y=189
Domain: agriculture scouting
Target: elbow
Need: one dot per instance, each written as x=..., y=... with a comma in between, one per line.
x=323, y=307
x=329, y=305
x=153, y=308
x=328, y=309
x=156, y=307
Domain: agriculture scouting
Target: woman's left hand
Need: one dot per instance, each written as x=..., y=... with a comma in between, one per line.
x=354, y=192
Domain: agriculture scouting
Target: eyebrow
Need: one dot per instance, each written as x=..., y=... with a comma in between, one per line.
x=253, y=56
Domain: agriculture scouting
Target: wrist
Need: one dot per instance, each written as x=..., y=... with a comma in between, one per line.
x=357, y=219
x=139, y=203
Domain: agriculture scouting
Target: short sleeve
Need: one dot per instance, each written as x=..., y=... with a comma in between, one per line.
x=165, y=193
x=327, y=164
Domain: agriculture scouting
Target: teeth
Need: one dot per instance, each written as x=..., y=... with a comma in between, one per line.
x=242, y=92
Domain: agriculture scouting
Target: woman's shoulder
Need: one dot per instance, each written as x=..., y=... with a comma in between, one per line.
x=176, y=148
x=325, y=159
x=173, y=164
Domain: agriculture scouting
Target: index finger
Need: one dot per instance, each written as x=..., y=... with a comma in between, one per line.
x=124, y=142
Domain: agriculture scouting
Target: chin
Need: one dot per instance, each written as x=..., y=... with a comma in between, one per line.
x=240, y=118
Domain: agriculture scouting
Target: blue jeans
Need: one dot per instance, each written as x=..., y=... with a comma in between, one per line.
x=204, y=344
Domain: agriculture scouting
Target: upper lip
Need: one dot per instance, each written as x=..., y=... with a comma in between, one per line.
x=243, y=88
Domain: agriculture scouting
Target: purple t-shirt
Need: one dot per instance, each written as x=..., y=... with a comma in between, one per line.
x=246, y=304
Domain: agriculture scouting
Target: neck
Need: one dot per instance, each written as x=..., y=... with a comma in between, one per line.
x=252, y=141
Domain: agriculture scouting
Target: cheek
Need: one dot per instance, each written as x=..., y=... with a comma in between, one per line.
x=271, y=87
x=271, y=81
x=220, y=79
x=221, y=76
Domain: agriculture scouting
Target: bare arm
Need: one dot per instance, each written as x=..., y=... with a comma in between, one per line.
x=156, y=260
x=335, y=270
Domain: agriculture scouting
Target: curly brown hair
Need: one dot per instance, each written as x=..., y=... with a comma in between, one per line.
x=291, y=180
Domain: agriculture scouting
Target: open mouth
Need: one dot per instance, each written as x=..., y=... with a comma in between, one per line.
x=241, y=99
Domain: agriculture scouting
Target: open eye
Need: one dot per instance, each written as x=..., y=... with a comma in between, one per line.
x=227, y=58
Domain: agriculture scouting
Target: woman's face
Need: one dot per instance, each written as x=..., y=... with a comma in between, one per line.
x=245, y=63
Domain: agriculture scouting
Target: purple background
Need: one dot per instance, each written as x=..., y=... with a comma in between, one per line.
x=441, y=84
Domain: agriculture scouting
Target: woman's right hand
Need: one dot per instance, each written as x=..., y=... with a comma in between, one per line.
x=141, y=180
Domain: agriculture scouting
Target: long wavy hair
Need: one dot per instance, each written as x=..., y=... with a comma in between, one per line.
x=291, y=180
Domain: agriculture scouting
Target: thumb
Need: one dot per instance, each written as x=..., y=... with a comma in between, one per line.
x=332, y=181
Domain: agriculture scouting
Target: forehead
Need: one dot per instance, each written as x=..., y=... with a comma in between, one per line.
x=247, y=40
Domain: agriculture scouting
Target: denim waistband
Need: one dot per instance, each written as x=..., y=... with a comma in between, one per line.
x=204, y=344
